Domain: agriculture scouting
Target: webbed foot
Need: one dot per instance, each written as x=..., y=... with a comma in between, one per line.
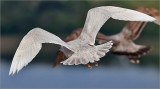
x=88, y=65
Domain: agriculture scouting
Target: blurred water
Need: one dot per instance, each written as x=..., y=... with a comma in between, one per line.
x=39, y=75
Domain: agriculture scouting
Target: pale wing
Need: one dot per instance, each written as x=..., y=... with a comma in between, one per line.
x=31, y=45
x=96, y=17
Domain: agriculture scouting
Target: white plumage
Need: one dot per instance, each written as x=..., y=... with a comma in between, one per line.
x=79, y=51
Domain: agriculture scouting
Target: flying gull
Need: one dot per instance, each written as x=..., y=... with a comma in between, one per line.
x=122, y=42
x=81, y=50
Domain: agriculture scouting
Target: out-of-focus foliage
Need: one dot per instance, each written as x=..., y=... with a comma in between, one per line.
x=59, y=16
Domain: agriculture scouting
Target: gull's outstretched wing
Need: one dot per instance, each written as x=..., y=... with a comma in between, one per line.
x=96, y=17
x=31, y=45
x=130, y=32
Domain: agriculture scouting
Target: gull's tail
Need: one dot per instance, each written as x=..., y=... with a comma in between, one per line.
x=89, y=56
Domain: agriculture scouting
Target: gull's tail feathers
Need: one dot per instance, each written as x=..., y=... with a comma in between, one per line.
x=80, y=59
x=85, y=58
x=104, y=48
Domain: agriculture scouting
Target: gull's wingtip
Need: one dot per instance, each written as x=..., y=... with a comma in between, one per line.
x=152, y=19
x=12, y=70
x=149, y=19
x=10, y=73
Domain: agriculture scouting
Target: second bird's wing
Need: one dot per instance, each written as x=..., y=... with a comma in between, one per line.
x=133, y=29
x=31, y=45
x=96, y=17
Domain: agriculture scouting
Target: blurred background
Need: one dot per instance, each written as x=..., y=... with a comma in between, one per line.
x=61, y=18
